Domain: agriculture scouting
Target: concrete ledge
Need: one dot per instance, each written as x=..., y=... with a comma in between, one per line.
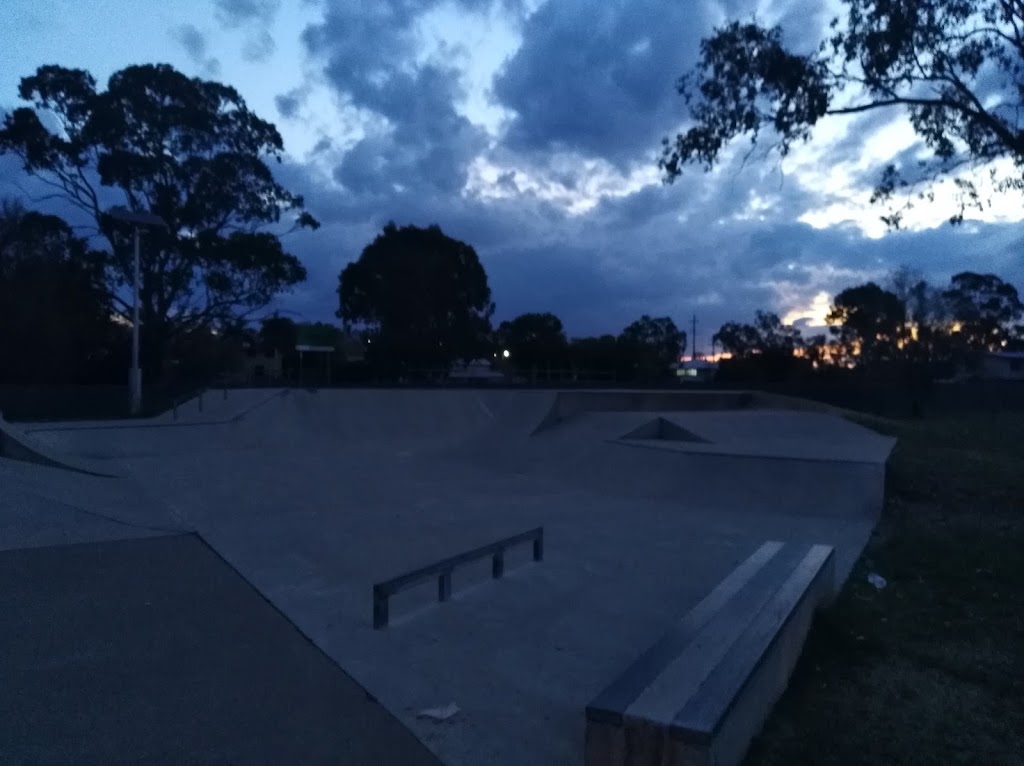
x=701, y=693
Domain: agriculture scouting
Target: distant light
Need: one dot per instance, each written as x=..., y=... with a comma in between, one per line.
x=505, y=353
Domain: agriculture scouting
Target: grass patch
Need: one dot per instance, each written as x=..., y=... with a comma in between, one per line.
x=930, y=669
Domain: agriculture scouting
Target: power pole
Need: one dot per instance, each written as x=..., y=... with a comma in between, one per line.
x=693, y=340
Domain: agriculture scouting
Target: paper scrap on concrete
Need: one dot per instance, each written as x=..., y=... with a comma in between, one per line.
x=440, y=713
x=877, y=580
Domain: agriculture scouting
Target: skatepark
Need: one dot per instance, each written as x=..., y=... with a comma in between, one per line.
x=297, y=502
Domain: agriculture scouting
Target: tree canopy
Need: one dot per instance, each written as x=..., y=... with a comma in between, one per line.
x=185, y=149
x=53, y=306
x=534, y=340
x=653, y=344
x=767, y=335
x=955, y=67
x=423, y=295
x=987, y=310
x=870, y=322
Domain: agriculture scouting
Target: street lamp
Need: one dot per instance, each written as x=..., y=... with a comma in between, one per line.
x=137, y=220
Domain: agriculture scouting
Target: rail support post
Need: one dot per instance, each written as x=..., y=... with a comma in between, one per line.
x=444, y=585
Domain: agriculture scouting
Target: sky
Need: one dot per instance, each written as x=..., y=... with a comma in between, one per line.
x=531, y=129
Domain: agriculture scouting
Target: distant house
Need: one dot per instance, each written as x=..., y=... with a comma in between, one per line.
x=1002, y=365
x=696, y=371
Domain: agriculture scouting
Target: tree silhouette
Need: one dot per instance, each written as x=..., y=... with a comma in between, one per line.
x=422, y=296
x=927, y=337
x=987, y=309
x=761, y=351
x=869, y=323
x=597, y=355
x=534, y=341
x=54, y=309
x=651, y=345
x=185, y=149
x=955, y=68
x=768, y=335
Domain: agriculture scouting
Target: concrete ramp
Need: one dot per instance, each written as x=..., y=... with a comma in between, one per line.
x=569, y=404
x=15, y=444
x=313, y=496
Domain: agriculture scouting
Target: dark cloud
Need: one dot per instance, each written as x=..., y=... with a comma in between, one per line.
x=236, y=13
x=663, y=250
x=367, y=53
x=194, y=43
x=600, y=78
x=287, y=104
x=254, y=17
x=259, y=47
x=590, y=81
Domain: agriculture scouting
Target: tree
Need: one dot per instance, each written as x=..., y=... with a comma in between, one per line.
x=422, y=295
x=869, y=323
x=652, y=345
x=53, y=305
x=534, y=341
x=738, y=340
x=768, y=335
x=955, y=67
x=986, y=308
x=816, y=350
x=278, y=335
x=600, y=355
x=927, y=316
x=776, y=337
x=763, y=351
x=185, y=149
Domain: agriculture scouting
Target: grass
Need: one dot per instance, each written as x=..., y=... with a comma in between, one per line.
x=930, y=669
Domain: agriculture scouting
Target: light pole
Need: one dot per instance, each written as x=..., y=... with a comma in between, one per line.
x=135, y=374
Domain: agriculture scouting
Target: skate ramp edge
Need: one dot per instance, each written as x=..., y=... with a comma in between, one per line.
x=15, y=446
x=701, y=694
x=568, y=404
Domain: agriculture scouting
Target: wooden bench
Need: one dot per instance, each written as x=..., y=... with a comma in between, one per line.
x=702, y=692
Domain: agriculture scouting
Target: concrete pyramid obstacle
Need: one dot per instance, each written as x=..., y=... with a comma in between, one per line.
x=662, y=429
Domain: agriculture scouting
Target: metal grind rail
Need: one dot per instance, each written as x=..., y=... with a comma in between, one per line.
x=443, y=569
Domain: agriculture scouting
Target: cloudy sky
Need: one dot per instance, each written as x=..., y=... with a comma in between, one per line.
x=530, y=129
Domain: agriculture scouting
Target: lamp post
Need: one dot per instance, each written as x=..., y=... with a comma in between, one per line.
x=137, y=220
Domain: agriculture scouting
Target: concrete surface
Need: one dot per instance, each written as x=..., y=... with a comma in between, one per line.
x=315, y=496
x=156, y=651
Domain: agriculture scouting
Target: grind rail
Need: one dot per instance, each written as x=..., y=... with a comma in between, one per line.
x=443, y=569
